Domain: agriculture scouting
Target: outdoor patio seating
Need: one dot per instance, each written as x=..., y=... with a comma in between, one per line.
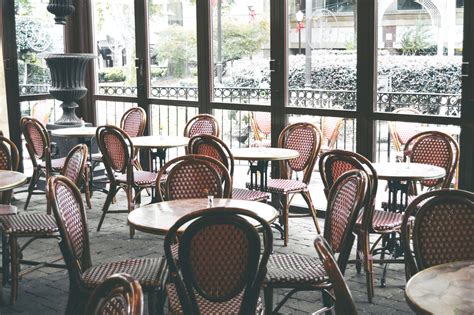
x=84, y=277
x=306, y=273
x=222, y=262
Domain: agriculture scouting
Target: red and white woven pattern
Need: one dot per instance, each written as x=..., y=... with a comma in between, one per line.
x=445, y=233
x=115, y=305
x=341, y=208
x=284, y=186
x=141, y=178
x=302, y=140
x=147, y=271
x=29, y=223
x=132, y=123
x=339, y=167
x=231, y=306
x=433, y=150
x=72, y=169
x=70, y=212
x=202, y=126
x=405, y=130
x=294, y=269
x=329, y=127
x=384, y=221
x=263, y=122
x=193, y=180
x=5, y=157
x=116, y=151
x=56, y=164
x=37, y=142
x=251, y=195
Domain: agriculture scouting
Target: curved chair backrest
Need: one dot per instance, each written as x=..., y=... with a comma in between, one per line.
x=333, y=164
x=71, y=219
x=116, y=148
x=213, y=147
x=330, y=129
x=306, y=139
x=202, y=124
x=9, y=156
x=344, y=303
x=194, y=176
x=220, y=258
x=36, y=137
x=401, y=131
x=261, y=124
x=443, y=230
x=346, y=199
x=133, y=122
x=434, y=148
x=75, y=163
x=118, y=294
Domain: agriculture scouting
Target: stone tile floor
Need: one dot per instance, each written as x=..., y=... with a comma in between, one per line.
x=45, y=291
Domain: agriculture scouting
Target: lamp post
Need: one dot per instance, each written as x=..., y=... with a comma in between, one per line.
x=299, y=18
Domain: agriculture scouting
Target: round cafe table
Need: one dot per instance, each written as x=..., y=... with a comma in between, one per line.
x=258, y=160
x=446, y=289
x=8, y=181
x=161, y=144
x=158, y=218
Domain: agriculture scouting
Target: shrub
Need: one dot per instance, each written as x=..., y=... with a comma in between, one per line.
x=112, y=75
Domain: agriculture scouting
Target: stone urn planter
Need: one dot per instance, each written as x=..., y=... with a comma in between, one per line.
x=67, y=83
x=61, y=9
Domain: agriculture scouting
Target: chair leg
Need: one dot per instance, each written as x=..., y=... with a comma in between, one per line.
x=87, y=187
x=368, y=266
x=14, y=268
x=31, y=187
x=130, y=206
x=359, y=249
x=327, y=302
x=285, y=219
x=152, y=300
x=110, y=196
x=268, y=296
x=312, y=209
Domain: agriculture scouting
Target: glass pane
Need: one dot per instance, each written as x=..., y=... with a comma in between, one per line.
x=322, y=54
x=36, y=34
x=241, y=47
x=110, y=112
x=173, y=49
x=114, y=34
x=420, y=56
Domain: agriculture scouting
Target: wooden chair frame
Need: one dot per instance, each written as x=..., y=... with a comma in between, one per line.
x=392, y=125
x=13, y=160
x=83, y=170
x=210, y=118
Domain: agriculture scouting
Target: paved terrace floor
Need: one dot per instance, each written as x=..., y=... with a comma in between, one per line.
x=45, y=291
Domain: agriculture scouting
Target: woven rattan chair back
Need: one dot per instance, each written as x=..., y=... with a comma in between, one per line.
x=306, y=139
x=434, y=148
x=261, y=125
x=401, y=131
x=119, y=294
x=71, y=219
x=333, y=164
x=202, y=124
x=133, y=122
x=36, y=137
x=116, y=148
x=330, y=129
x=75, y=164
x=346, y=199
x=213, y=147
x=9, y=156
x=194, y=176
x=344, y=303
x=220, y=258
x=443, y=230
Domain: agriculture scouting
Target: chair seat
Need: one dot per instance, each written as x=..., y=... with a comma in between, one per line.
x=207, y=307
x=29, y=224
x=246, y=194
x=290, y=269
x=56, y=164
x=8, y=210
x=141, y=178
x=283, y=186
x=384, y=220
x=149, y=272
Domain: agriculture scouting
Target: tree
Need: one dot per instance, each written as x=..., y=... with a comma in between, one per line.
x=415, y=40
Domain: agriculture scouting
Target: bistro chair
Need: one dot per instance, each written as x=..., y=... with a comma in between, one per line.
x=38, y=226
x=202, y=124
x=39, y=149
x=306, y=139
x=222, y=262
x=193, y=176
x=434, y=148
x=117, y=150
x=261, y=125
x=442, y=232
x=305, y=273
x=216, y=148
x=76, y=169
x=401, y=131
x=119, y=294
x=84, y=277
x=9, y=160
x=330, y=128
x=343, y=301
